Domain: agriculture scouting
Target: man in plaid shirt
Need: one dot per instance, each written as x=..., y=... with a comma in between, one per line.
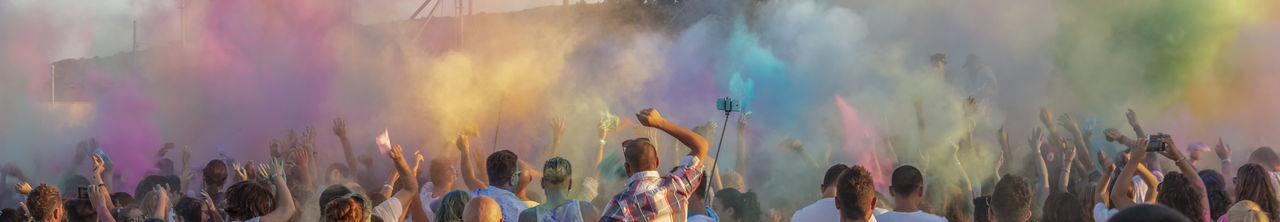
x=649, y=196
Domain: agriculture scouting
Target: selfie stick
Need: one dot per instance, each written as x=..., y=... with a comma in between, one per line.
x=714, y=170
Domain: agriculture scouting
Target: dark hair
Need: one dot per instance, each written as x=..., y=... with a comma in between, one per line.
x=906, y=180
x=43, y=202
x=189, y=209
x=80, y=210
x=1177, y=192
x=339, y=203
x=1011, y=200
x=938, y=57
x=122, y=199
x=215, y=173
x=452, y=206
x=701, y=191
x=833, y=173
x=501, y=166
x=12, y=215
x=745, y=206
x=1215, y=188
x=980, y=208
x=1148, y=213
x=640, y=154
x=149, y=183
x=1063, y=206
x=855, y=193
x=247, y=199
x=1253, y=183
x=1265, y=156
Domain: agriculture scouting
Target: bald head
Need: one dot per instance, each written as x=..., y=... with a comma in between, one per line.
x=482, y=209
x=641, y=155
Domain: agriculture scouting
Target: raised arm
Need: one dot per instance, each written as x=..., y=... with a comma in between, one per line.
x=1133, y=122
x=340, y=130
x=284, y=209
x=697, y=145
x=98, y=168
x=1102, y=188
x=557, y=132
x=469, y=178
x=408, y=182
x=1069, y=157
x=1138, y=153
x=99, y=199
x=1005, y=151
x=1080, y=139
x=741, y=165
x=1037, y=140
x=1188, y=170
x=1224, y=152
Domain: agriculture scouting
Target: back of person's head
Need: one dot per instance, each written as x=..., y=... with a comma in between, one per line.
x=80, y=210
x=1266, y=157
x=1215, y=188
x=556, y=172
x=1246, y=211
x=148, y=184
x=122, y=199
x=742, y=206
x=45, y=203
x=452, y=206
x=906, y=181
x=502, y=167
x=441, y=171
x=12, y=215
x=340, y=204
x=214, y=174
x=189, y=210
x=1011, y=200
x=482, y=209
x=855, y=194
x=1253, y=183
x=1177, y=192
x=165, y=166
x=833, y=174
x=640, y=155
x=247, y=200
x=1065, y=207
x=701, y=191
x=1148, y=213
x=128, y=214
x=980, y=208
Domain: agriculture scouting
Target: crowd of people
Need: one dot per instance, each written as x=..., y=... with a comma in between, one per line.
x=289, y=187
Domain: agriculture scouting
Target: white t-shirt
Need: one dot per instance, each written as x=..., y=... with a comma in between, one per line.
x=892, y=216
x=822, y=210
x=389, y=210
x=1102, y=213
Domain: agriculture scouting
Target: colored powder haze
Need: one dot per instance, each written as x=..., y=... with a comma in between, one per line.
x=839, y=75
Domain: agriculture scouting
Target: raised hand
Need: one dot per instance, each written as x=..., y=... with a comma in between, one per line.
x=1112, y=134
x=165, y=150
x=1222, y=150
x=1132, y=116
x=97, y=165
x=96, y=196
x=339, y=127
x=186, y=155
x=1070, y=124
x=1106, y=162
x=208, y=202
x=1138, y=151
x=557, y=126
x=1046, y=117
x=275, y=146
x=650, y=118
x=22, y=188
x=1172, y=152
x=463, y=143
x=395, y=153
x=240, y=172
x=418, y=159
x=275, y=167
x=1037, y=138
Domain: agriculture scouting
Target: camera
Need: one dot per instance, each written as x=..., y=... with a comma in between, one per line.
x=1156, y=143
x=728, y=105
x=82, y=192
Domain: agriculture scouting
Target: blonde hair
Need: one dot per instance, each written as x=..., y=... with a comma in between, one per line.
x=1246, y=211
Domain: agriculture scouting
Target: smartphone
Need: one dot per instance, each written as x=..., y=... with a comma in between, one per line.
x=1156, y=143
x=83, y=192
x=728, y=105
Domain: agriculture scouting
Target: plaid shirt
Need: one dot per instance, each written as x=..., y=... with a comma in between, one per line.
x=649, y=197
